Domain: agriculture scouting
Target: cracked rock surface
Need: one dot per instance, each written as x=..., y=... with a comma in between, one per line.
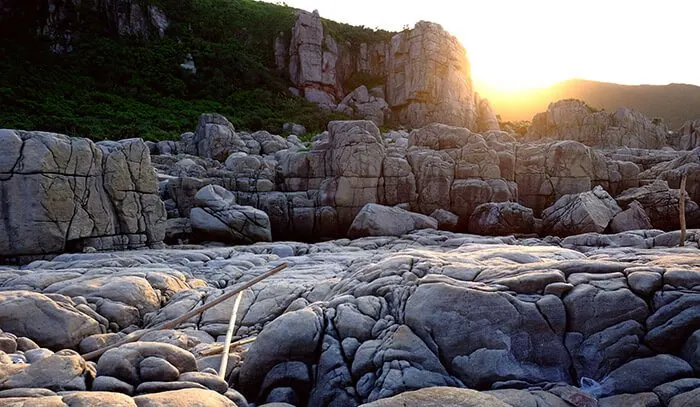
x=493, y=321
x=64, y=194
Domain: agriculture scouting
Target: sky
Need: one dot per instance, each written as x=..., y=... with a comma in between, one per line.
x=519, y=45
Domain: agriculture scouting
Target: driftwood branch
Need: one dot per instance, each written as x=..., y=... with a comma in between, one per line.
x=229, y=335
x=219, y=347
x=681, y=208
x=135, y=336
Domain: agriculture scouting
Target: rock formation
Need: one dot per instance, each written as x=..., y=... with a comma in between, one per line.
x=497, y=319
x=318, y=191
x=574, y=120
x=688, y=136
x=218, y=218
x=64, y=194
x=425, y=75
x=378, y=220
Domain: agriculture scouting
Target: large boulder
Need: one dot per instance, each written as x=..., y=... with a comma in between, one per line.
x=50, y=323
x=502, y=218
x=632, y=218
x=133, y=363
x=218, y=218
x=65, y=193
x=184, y=397
x=62, y=371
x=378, y=220
x=359, y=103
x=440, y=397
x=580, y=213
x=215, y=137
x=660, y=203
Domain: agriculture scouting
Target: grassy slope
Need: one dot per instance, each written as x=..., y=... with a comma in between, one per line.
x=119, y=88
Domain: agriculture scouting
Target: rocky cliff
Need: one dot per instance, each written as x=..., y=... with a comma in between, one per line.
x=317, y=191
x=423, y=74
x=64, y=194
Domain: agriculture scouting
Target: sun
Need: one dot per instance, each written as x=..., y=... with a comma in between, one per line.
x=493, y=72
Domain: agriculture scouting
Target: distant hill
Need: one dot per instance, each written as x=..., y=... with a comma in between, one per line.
x=675, y=103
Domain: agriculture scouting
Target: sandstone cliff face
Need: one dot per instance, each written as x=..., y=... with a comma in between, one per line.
x=61, y=194
x=427, y=77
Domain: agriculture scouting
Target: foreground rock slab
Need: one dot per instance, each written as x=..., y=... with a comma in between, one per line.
x=520, y=321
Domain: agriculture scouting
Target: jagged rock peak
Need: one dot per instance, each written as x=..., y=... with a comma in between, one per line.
x=424, y=72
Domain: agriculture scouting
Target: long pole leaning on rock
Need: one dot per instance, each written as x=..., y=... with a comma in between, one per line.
x=229, y=335
x=135, y=336
x=681, y=208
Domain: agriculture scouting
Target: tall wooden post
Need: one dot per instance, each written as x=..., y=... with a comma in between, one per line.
x=681, y=208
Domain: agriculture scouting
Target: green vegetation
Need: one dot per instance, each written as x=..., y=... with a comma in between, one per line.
x=590, y=108
x=112, y=87
x=355, y=35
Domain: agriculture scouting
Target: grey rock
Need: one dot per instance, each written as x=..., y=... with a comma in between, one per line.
x=446, y=219
x=668, y=391
x=586, y=212
x=219, y=219
x=188, y=397
x=123, y=362
x=502, y=218
x=378, y=220
x=440, y=396
x=69, y=193
x=157, y=369
x=632, y=218
x=112, y=385
x=45, y=321
x=62, y=371
x=208, y=380
x=643, y=375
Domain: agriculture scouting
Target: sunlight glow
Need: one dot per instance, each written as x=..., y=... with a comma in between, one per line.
x=518, y=45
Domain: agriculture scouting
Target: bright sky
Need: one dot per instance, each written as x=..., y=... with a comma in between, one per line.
x=521, y=44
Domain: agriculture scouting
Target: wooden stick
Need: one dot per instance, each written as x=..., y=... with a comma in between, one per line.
x=135, y=336
x=217, y=348
x=229, y=335
x=681, y=208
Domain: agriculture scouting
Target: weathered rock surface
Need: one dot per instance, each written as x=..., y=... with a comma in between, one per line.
x=581, y=213
x=63, y=194
x=52, y=323
x=378, y=220
x=660, y=203
x=632, y=218
x=316, y=192
x=425, y=73
x=518, y=321
x=688, y=135
x=218, y=218
x=501, y=219
x=60, y=22
x=574, y=120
